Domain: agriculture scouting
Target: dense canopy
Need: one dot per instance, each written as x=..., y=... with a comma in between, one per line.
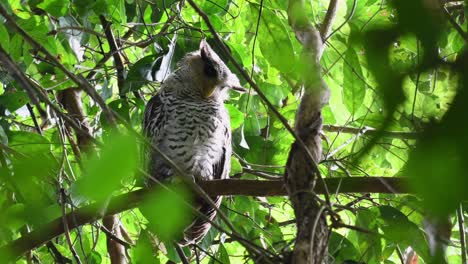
x=391, y=184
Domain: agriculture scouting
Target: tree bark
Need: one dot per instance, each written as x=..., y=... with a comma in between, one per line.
x=302, y=171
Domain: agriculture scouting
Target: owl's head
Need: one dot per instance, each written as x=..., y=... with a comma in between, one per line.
x=211, y=75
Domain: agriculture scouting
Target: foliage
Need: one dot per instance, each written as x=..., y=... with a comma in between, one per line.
x=384, y=71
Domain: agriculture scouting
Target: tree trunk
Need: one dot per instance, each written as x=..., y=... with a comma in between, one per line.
x=301, y=169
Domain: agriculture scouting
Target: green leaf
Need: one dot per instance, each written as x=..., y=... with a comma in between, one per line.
x=5, y=39
x=36, y=27
x=139, y=74
x=399, y=229
x=274, y=93
x=16, y=48
x=369, y=243
x=168, y=212
x=274, y=41
x=236, y=167
x=28, y=143
x=94, y=258
x=354, y=89
x=103, y=172
x=57, y=8
x=19, y=9
x=341, y=248
x=222, y=254
x=143, y=251
x=437, y=169
x=217, y=8
x=14, y=100
x=117, y=10
x=236, y=116
x=14, y=216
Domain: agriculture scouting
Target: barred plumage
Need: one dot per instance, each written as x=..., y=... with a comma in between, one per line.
x=187, y=121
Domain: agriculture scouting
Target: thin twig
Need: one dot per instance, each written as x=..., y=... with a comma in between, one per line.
x=370, y=131
x=33, y=90
x=78, y=79
x=119, y=66
x=181, y=254
x=461, y=227
x=65, y=227
x=114, y=237
x=454, y=23
x=351, y=14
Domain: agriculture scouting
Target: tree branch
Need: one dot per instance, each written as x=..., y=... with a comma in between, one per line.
x=119, y=65
x=370, y=131
x=91, y=213
x=329, y=18
x=78, y=79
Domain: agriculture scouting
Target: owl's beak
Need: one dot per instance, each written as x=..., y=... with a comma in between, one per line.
x=208, y=90
x=239, y=89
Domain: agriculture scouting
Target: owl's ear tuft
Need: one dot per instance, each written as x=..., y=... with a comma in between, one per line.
x=208, y=57
x=206, y=52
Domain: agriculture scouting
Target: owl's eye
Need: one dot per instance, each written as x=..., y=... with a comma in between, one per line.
x=210, y=71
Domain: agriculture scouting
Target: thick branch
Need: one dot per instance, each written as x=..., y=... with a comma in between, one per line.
x=131, y=200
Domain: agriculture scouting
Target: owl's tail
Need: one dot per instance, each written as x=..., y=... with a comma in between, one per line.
x=200, y=226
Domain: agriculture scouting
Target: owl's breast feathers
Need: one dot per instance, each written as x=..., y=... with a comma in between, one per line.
x=194, y=134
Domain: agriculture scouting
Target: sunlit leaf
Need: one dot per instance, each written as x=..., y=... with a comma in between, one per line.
x=237, y=117
x=13, y=101
x=275, y=43
x=354, y=89
x=222, y=254
x=56, y=8
x=94, y=258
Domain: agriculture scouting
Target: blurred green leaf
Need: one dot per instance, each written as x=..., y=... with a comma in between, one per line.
x=143, y=251
x=354, y=89
x=36, y=27
x=104, y=171
x=370, y=245
x=168, y=212
x=5, y=40
x=14, y=217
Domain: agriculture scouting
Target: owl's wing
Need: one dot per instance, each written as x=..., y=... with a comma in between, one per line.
x=152, y=117
x=153, y=122
x=222, y=168
x=219, y=169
